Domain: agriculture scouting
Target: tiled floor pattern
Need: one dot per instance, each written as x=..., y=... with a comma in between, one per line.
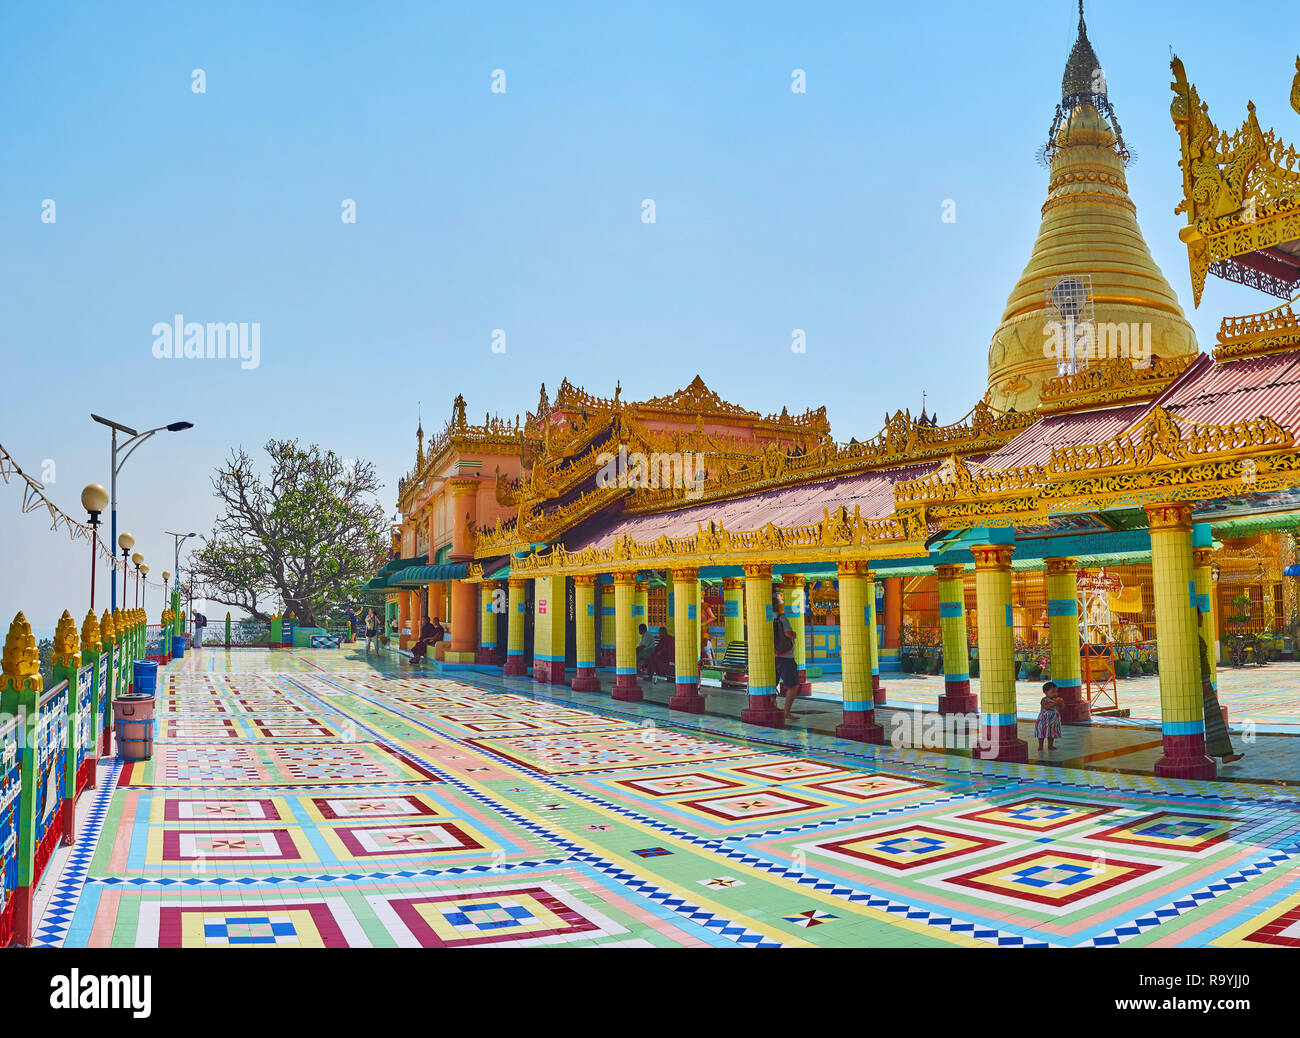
x=315, y=799
x=1266, y=696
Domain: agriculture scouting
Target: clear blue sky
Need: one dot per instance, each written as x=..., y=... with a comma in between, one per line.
x=522, y=211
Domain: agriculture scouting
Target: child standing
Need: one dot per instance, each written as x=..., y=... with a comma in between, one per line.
x=1048, y=725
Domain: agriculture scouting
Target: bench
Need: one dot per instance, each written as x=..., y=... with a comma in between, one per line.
x=732, y=671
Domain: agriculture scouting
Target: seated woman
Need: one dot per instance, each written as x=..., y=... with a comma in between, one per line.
x=660, y=660
x=430, y=634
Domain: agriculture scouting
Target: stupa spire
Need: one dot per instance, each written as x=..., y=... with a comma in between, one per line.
x=1083, y=84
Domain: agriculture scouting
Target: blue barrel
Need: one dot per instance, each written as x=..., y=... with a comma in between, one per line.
x=178, y=646
x=146, y=677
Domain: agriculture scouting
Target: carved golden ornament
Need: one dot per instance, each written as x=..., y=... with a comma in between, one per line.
x=584, y=579
x=20, y=665
x=686, y=574
x=1061, y=566
x=66, y=644
x=945, y=571
x=733, y=583
x=625, y=578
x=757, y=570
x=517, y=583
x=107, y=631
x=1202, y=556
x=993, y=557
x=90, y=641
x=1176, y=517
x=1258, y=335
x=792, y=580
x=853, y=568
x=1241, y=190
x=1109, y=382
x=1161, y=438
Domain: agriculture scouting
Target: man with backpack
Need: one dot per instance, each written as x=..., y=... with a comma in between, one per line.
x=787, y=673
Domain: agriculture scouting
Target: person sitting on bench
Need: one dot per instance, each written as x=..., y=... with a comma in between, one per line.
x=660, y=660
x=644, y=647
x=430, y=634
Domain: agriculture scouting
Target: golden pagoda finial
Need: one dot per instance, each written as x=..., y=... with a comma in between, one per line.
x=90, y=633
x=20, y=666
x=66, y=648
x=107, y=632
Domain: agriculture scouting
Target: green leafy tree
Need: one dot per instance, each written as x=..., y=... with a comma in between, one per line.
x=45, y=657
x=308, y=535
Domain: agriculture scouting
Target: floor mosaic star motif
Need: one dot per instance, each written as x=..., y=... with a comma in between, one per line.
x=317, y=799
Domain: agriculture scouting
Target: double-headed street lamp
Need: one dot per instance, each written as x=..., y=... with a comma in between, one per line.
x=134, y=440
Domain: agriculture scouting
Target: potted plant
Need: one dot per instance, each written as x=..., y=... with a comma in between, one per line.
x=1123, y=665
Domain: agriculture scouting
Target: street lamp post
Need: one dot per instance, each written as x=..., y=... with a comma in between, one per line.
x=126, y=542
x=144, y=588
x=94, y=499
x=134, y=440
x=137, y=558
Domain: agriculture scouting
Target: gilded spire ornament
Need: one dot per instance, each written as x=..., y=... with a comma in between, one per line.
x=107, y=633
x=20, y=666
x=66, y=646
x=90, y=633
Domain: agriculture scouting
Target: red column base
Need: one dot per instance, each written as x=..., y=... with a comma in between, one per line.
x=514, y=666
x=877, y=690
x=487, y=657
x=22, y=898
x=549, y=672
x=805, y=686
x=762, y=710
x=626, y=690
x=687, y=698
x=1001, y=744
x=957, y=698
x=585, y=680
x=856, y=728
x=1075, y=707
x=1185, y=758
x=605, y=657
x=69, y=821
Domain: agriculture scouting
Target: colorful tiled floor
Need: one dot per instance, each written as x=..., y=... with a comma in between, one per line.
x=317, y=799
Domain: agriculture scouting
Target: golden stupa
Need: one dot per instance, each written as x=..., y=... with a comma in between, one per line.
x=1089, y=237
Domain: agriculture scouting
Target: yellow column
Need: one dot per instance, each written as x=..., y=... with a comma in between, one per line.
x=518, y=606
x=873, y=633
x=856, y=631
x=1063, y=622
x=626, y=688
x=794, y=591
x=686, y=608
x=1208, y=629
x=548, y=630
x=584, y=612
x=999, y=737
x=608, y=628
x=733, y=610
x=957, y=697
x=762, y=708
x=489, y=608
x=641, y=607
x=1182, y=713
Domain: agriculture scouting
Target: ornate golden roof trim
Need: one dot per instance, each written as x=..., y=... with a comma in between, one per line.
x=1259, y=335
x=1110, y=382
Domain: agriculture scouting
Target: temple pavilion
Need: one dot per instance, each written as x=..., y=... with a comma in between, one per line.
x=1118, y=494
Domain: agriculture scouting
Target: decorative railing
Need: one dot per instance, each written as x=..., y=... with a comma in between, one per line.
x=84, y=719
x=11, y=792
x=51, y=768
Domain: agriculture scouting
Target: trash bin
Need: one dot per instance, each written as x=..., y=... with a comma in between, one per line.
x=145, y=681
x=178, y=646
x=133, y=722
